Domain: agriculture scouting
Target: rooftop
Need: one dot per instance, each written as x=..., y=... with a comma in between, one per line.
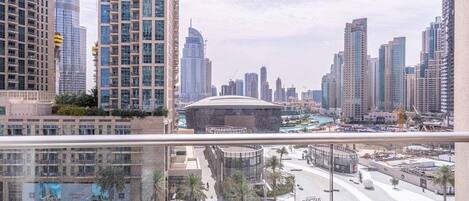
x=242, y=102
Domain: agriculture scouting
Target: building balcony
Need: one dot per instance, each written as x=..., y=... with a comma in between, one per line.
x=364, y=163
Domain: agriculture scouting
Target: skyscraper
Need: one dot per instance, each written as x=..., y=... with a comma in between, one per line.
x=266, y=92
x=428, y=74
x=251, y=85
x=138, y=64
x=195, y=68
x=409, y=88
x=337, y=67
x=27, y=28
x=239, y=84
x=373, y=66
x=72, y=58
x=214, y=91
x=447, y=70
x=329, y=93
x=355, y=101
x=391, y=74
x=279, y=94
x=291, y=94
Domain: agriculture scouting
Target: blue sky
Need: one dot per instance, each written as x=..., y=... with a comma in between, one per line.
x=295, y=39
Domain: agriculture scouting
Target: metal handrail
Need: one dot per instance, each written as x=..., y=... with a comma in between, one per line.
x=12, y=142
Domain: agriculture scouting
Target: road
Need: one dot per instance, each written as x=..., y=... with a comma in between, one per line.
x=315, y=180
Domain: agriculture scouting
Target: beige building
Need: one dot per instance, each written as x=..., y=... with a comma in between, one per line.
x=428, y=85
x=76, y=170
x=27, y=51
x=138, y=50
x=355, y=92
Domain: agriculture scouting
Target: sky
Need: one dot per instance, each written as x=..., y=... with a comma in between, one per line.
x=294, y=39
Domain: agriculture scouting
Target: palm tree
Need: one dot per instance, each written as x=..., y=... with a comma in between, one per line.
x=158, y=185
x=394, y=182
x=442, y=177
x=193, y=189
x=237, y=188
x=275, y=176
x=110, y=179
x=273, y=163
x=283, y=151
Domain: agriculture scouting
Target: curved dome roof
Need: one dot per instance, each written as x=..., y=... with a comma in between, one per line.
x=238, y=102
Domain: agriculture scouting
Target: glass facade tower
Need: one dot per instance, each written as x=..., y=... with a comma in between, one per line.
x=72, y=58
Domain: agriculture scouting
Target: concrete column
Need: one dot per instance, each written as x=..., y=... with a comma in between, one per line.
x=461, y=98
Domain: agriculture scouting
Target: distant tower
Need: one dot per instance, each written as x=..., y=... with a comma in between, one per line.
x=196, y=70
x=72, y=63
x=251, y=85
x=355, y=100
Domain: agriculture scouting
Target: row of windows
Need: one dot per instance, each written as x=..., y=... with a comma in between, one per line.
x=126, y=10
x=125, y=77
x=126, y=29
x=158, y=98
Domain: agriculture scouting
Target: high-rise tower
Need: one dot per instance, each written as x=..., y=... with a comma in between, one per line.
x=355, y=101
x=447, y=70
x=195, y=68
x=251, y=85
x=26, y=46
x=72, y=58
x=428, y=73
x=138, y=50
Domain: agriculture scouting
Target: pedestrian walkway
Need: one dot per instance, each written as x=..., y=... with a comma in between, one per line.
x=207, y=176
x=396, y=194
x=352, y=189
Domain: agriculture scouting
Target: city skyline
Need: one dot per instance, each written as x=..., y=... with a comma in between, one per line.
x=278, y=48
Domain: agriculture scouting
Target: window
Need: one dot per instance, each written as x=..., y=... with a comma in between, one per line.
x=159, y=97
x=125, y=33
x=159, y=76
x=125, y=10
x=159, y=53
x=125, y=77
x=104, y=56
x=159, y=8
x=146, y=53
x=125, y=55
x=105, y=35
x=105, y=14
x=104, y=77
x=146, y=93
x=2, y=30
x=159, y=33
x=146, y=12
x=147, y=30
x=146, y=71
x=104, y=98
x=125, y=99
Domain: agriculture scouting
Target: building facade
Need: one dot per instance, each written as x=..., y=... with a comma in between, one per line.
x=237, y=111
x=138, y=50
x=251, y=85
x=279, y=94
x=447, y=70
x=27, y=59
x=337, y=68
x=266, y=92
x=355, y=102
x=195, y=68
x=428, y=72
x=239, y=87
x=72, y=58
x=409, y=88
x=391, y=72
x=373, y=66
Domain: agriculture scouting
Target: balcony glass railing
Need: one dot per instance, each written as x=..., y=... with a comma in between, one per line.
x=366, y=167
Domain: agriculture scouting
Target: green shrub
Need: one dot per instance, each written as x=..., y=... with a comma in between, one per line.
x=71, y=110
